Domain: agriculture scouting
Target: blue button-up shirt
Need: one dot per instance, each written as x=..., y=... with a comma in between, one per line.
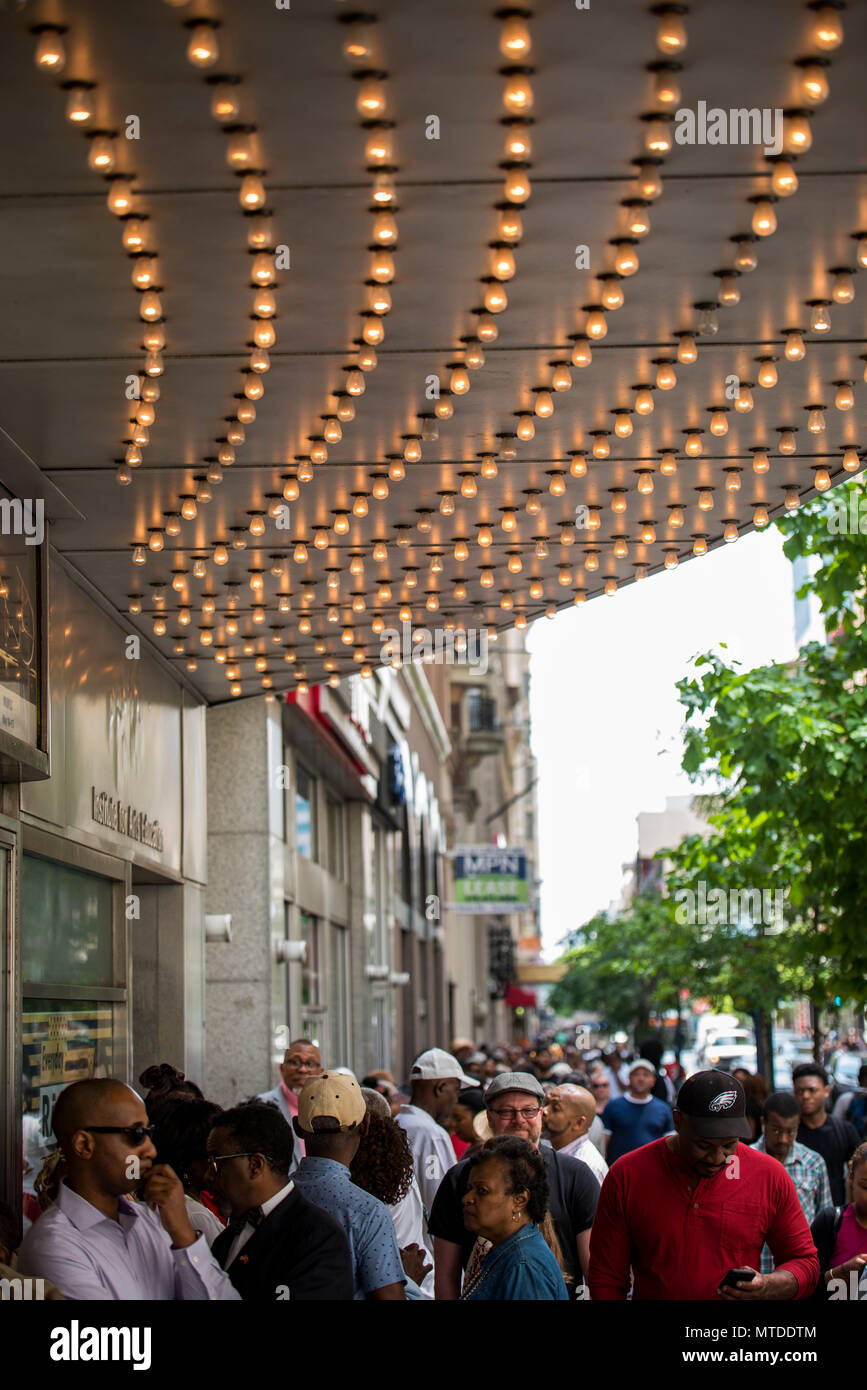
x=366, y=1221
x=89, y=1256
x=809, y=1173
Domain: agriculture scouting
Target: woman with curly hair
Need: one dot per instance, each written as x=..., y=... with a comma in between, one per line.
x=383, y=1167
x=506, y=1203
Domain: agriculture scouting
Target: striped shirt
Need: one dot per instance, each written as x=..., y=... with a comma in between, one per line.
x=809, y=1173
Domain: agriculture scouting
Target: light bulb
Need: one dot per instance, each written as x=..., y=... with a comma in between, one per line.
x=246, y=412
x=332, y=430
x=378, y=299
x=379, y=148
x=264, y=303
x=645, y=481
x=820, y=319
x=518, y=142
x=861, y=251
x=733, y=480
x=525, y=428
x=145, y=272
x=252, y=192
x=793, y=499
x=582, y=353
x=764, y=218
x=516, y=188
x=502, y=262
x=145, y=415
x=621, y=548
x=132, y=457
x=699, y=545
x=371, y=100
x=649, y=180
x=666, y=87
x=189, y=510
x=618, y=500
x=693, y=445
x=487, y=329
x=202, y=48
x=384, y=228
x=657, y=137
x=797, y=135
x=744, y=401
x=346, y=409
x=844, y=396
x=827, y=33
x=153, y=338
x=557, y=485
x=671, y=560
x=544, y=406
x=668, y=463
x=591, y=560
x=160, y=627
x=509, y=519
x=119, y=197
x=140, y=435
x=728, y=292
x=761, y=460
x=843, y=288
x=687, y=349
x=705, y=500
x=341, y=524
x=372, y=330
x=123, y=475
x=443, y=409
x=746, y=257
x=355, y=383
x=816, y=419
x=318, y=451
x=637, y=218
x=382, y=267
x=224, y=102
x=767, y=375
x=134, y=234
x=485, y=536
x=50, y=53
x=259, y=235
x=601, y=447
x=215, y=471
x=851, y=460
x=489, y=466
x=533, y=506
x=787, y=443
x=155, y=539
x=708, y=321
x=459, y=381
x=518, y=94
x=671, y=32
x=625, y=261
x=822, y=479
x=623, y=424
x=150, y=390
x=469, y=487
x=253, y=387
x=562, y=378
x=596, y=326
x=366, y=356
x=412, y=450
x=666, y=380
x=239, y=150
x=795, y=348
x=496, y=299
x=100, y=154
x=784, y=180
x=612, y=292
x=675, y=517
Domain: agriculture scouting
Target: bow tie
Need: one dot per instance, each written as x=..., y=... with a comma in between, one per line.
x=254, y=1217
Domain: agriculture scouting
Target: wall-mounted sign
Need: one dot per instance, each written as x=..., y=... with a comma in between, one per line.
x=118, y=815
x=490, y=880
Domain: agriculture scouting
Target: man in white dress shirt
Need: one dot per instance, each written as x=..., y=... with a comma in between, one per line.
x=436, y=1080
x=568, y=1114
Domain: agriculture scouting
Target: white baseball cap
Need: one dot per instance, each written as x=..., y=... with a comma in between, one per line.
x=437, y=1065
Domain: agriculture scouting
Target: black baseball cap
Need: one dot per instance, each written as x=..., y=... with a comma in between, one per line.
x=716, y=1103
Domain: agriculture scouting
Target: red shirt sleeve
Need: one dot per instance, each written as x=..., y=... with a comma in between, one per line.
x=610, y=1246
x=790, y=1241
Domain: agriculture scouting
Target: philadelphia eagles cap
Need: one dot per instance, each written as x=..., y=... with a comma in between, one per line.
x=716, y=1103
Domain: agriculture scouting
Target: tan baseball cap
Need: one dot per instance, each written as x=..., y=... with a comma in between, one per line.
x=330, y=1102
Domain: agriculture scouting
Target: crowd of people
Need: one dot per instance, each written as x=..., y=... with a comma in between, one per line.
x=513, y=1173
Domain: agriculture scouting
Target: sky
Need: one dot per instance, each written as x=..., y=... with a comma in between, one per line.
x=605, y=718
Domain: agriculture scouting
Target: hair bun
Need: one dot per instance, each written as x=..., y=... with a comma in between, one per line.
x=162, y=1076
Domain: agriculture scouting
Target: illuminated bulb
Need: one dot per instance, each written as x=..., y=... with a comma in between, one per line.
x=638, y=221
x=516, y=188
x=119, y=199
x=518, y=94
x=562, y=378
x=253, y=387
x=259, y=361
x=671, y=32
x=50, y=53
x=594, y=519
x=693, y=444
x=675, y=517
x=699, y=546
x=487, y=329
x=189, y=510
x=764, y=221
x=239, y=151
x=299, y=554
x=557, y=486
x=134, y=234
x=383, y=191
x=100, y=154
x=612, y=293
x=485, y=536
x=544, y=404
x=746, y=257
x=509, y=519
x=264, y=303
x=132, y=457
x=412, y=450
x=670, y=561
x=378, y=299
x=202, y=49
x=795, y=349
x=489, y=466
x=793, y=499
x=496, y=299
x=621, y=548
x=259, y=615
x=396, y=470
x=797, y=135
x=515, y=41
x=332, y=431
x=601, y=447
x=596, y=326
x=668, y=463
x=744, y=399
x=224, y=102
x=366, y=357
x=221, y=554
x=582, y=353
x=823, y=479
x=487, y=578
x=380, y=488
x=502, y=262
x=145, y=415
x=787, y=442
x=379, y=148
x=444, y=410
x=518, y=142
x=851, y=460
x=728, y=292
x=341, y=524
x=645, y=482
x=384, y=228
x=767, y=373
x=355, y=383
x=644, y=401
x=150, y=307
x=843, y=288
x=687, y=349
x=140, y=435
x=625, y=261
x=761, y=461
x=153, y=338
x=533, y=506
x=844, y=397
x=469, y=487
x=160, y=627
x=564, y=575
x=123, y=475
x=827, y=32
x=733, y=480
x=820, y=319
x=649, y=180
x=618, y=500
x=251, y=194
x=371, y=99
x=525, y=428
x=459, y=381
x=510, y=227
x=784, y=180
x=200, y=571
x=705, y=500
x=666, y=376
x=623, y=424
x=474, y=356
x=666, y=88
x=173, y=528
x=372, y=330
x=360, y=505
x=816, y=420
x=591, y=560
x=155, y=539
x=657, y=137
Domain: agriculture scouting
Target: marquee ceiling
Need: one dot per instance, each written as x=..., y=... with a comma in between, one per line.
x=279, y=611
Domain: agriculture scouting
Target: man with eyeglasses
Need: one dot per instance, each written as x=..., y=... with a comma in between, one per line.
x=94, y=1243
x=781, y=1116
x=513, y=1104
x=301, y=1060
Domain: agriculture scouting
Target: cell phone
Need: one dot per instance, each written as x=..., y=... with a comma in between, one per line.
x=735, y=1276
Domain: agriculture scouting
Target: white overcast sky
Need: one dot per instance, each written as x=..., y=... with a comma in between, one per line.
x=606, y=720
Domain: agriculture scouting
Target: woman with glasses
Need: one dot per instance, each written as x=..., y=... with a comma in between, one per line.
x=506, y=1204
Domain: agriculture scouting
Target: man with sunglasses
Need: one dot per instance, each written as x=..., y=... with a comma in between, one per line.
x=513, y=1104
x=94, y=1243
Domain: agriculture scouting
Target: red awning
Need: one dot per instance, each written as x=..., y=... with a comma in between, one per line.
x=517, y=998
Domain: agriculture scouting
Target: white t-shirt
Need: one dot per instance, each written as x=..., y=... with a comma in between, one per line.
x=431, y=1147
x=410, y=1228
x=203, y=1222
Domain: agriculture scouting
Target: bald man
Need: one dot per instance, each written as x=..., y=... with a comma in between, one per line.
x=94, y=1243
x=568, y=1113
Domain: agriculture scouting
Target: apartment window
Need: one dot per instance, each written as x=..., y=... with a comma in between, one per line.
x=338, y=1003
x=311, y=972
x=305, y=813
x=334, y=814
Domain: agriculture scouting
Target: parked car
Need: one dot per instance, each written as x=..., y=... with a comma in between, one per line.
x=844, y=1068
x=734, y=1048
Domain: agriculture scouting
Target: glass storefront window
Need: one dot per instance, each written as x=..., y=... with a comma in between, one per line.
x=305, y=813
x=66, y=925
x=339, y=996
x=311, y=972
x=335, y=836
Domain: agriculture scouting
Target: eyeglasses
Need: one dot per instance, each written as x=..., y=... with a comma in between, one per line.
x=600, y=1085
x=137, y=1133
x=214, y=1159
x=299, y=1065
x=529, y=1113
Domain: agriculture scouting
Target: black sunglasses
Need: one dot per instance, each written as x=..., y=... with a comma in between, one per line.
x=137, y=1133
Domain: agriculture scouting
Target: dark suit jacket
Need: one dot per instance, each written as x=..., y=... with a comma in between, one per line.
x=299, y=1248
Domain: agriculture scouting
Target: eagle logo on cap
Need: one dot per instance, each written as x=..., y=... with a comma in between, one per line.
x=724, y=1101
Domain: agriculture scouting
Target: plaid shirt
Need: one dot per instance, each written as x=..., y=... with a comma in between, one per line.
x=809, y=1173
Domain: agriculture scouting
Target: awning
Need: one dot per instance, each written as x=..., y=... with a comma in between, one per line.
x=517, y=998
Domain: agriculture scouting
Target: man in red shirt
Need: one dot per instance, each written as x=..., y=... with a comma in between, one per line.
x=685, y=1209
